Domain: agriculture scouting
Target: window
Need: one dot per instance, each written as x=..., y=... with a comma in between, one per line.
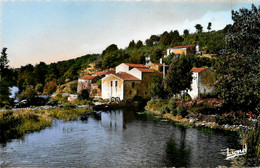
x=133, y=84
x=116, y=83
x=111, y=83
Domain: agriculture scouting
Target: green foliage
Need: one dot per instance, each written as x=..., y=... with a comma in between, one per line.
x=157, y=89
x=84, y=94
x=156, y=55
x=165, y=38
x=178, y=77
x=139, y=44
x=181, y=111
x=29, y=94
x=39, y=87
x=73, y=87
x=17, y=126
x=4, y=92
x=50, y=87
x=68, y=114
x=165, y=109
x=253, y=148
x=157, y=104
x=199, y=28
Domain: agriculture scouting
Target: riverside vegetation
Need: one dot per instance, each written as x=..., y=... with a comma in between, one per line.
x=17, y=124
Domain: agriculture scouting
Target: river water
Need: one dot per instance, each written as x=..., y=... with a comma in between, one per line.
x=117, y=138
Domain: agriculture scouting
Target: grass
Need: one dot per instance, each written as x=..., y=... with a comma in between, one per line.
x=14, y=125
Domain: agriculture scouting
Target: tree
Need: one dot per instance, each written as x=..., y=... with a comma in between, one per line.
x=139, y=44
x=149, y=42
x=131, y=44
x=111, y=48
x=4, y=90
x=178, y=77
x=156, y=55
x=199, y=28
x=50, y=87
x=186, y=32
x=239, y=74
x=165, y=38
x=157, y=89
x=29, y=94
x=155, y=38
x=209, y=26
x=39, y=88
x=176, y=38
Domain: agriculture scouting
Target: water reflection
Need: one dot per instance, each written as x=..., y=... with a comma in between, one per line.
x=116, y=138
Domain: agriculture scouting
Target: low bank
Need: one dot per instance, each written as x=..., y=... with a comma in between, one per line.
x=16, y=124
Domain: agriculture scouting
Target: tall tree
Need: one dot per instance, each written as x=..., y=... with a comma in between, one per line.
x=139, y=44
x=186, y=32
x=4, y=90
x=239, y=74
x=165, y=38
x=178, y=77
x=209, y=26
x=131, y=44
x=156, y=55
x=155, y=38
x=149, y=42
x=199, y=28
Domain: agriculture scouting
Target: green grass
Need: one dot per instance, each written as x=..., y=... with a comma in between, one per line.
x=14, y=125
x=68, y=114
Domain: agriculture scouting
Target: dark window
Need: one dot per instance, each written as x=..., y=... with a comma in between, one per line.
x=133, y=84
x=111, y=83
x=116, y=84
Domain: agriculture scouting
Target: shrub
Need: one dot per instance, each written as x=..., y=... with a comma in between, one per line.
x=181, y=111
x=165, y=109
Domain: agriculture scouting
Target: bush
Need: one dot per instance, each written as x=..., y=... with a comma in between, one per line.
x=181, y=111
x=84, y=94
x=165, y=109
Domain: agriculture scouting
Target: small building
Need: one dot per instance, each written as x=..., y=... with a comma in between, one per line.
x=120, y=85
x=104, y=73
x=126, y=67
x=182, y=50
x=157, y=67
x=85, y=83
x=202, y=83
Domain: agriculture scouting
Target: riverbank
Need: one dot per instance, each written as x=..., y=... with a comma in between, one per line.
x=202, y=121
x=16, y=124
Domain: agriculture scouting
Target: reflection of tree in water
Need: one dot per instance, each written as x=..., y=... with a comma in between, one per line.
x=179, y=157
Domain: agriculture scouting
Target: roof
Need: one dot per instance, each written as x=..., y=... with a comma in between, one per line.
x=127, y=77
x=183, y=46
x=104, y=73
x=87, y=77
x=146, y=70
x=158, y=64
x=198, y=69
x=135, y=65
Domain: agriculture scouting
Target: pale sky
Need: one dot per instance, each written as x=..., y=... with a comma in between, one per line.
x=51, y=31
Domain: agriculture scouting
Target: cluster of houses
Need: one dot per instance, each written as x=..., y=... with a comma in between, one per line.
x=128, y=80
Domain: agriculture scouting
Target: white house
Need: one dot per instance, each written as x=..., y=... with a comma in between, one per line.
x=202, y=83
x=126, y=67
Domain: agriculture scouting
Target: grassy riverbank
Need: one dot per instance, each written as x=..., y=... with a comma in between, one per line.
x=18, y=123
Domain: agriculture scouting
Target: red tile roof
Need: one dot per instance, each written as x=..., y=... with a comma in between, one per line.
x=146, y=70
x=183, y=46
x=87, y=77
x=104, y=73
x=127, y=77
x=158, y=64
x=135, y=65
x=198, y=69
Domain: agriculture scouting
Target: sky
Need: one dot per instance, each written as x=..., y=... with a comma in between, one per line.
x=55, y=30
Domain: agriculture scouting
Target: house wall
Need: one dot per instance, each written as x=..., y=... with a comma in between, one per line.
x=132, y=89
x=206, y=86
x=95, y=91
x=202, y=83
x=146, y=85
x=83, y=84
x=194, y=92
x=152, y=66
x=136, y=73
x=181, y=51
x=122, y=68
x=109, y=91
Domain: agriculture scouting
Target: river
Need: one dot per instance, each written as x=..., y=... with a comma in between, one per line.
x=117, y=138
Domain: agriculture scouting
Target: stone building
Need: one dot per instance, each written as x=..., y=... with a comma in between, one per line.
x=85, y=82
